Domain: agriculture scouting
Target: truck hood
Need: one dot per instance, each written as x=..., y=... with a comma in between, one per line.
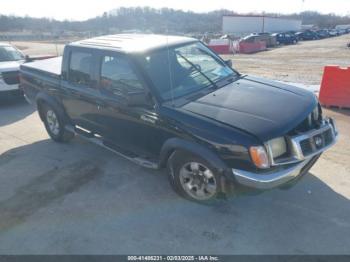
x=10, y=66
x=263, y=108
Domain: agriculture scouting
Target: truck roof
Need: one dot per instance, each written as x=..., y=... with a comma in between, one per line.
x=130, y=43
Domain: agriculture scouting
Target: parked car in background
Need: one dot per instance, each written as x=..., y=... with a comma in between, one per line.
x=10, y=60
x=307, y=35
x=333, y=32
x=342, y=31
x=323, y=34
x=172, y=102
x=268, y=38
x=286, y=38
x=250, y=44
x=252, y=38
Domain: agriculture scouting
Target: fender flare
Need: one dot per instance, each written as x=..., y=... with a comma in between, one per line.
x=174, y=144
x=51, y=101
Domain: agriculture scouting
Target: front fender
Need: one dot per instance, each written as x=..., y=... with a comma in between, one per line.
x=180, y=144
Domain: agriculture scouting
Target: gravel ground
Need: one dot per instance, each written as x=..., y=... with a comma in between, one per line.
x=78, y=198
x=39, y=48
x=301, y=63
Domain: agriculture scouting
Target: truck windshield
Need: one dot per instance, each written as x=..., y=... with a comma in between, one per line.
x=179, y=71
x=9, y=53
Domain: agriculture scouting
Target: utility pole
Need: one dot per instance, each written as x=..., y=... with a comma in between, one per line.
x=263, y=22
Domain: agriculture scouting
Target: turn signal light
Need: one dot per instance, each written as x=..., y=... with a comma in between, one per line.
x=259, y=156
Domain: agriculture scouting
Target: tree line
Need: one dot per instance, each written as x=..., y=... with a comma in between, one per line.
x=153, y=20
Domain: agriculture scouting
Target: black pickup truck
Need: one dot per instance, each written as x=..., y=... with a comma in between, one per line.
x=170, y=102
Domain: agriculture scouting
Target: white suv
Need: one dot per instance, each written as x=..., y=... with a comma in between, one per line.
x=10, y=60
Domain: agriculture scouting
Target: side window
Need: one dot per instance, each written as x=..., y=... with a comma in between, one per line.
x=117, y=76
x=79, y=68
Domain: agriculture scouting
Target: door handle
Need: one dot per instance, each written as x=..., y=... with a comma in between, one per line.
x=100, y=104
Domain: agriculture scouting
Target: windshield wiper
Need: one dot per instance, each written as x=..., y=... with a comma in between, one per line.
x=198, y=70
x=228, y=79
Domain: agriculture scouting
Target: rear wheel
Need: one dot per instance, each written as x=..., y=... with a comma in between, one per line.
x=193, y=178
x=55, y=125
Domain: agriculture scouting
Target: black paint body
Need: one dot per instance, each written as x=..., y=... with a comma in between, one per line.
x=219, y=125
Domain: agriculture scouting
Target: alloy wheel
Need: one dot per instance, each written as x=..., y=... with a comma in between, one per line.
x=198, y=181
x=52, y=122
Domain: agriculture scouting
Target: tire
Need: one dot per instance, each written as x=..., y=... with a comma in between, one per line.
x=193, y=178
x=55, y=124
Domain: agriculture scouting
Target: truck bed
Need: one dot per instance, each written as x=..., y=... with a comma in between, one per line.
x=40, y=76
x=50, y=67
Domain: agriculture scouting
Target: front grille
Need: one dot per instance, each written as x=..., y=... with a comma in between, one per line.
x=309, y=123
x=302, y=146
x=11, y=78
x=316, y=142
x=328, y=137
x=306, y=147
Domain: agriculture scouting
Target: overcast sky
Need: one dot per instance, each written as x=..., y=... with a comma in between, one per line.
x=83, y=9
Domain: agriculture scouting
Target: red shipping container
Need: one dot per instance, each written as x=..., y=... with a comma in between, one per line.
x=221, y=46
x=221, y=49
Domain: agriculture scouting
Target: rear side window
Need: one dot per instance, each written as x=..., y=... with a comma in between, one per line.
x=118, y=77
x=80, y=68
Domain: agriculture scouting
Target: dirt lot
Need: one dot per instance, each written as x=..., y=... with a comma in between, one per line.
x=78, y=198
x=301, y=63
x=39, y=48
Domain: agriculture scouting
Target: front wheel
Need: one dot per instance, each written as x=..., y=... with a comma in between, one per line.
x=193, y=178
x=55, y=125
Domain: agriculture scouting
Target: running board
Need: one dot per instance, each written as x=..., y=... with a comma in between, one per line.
x=96, y=139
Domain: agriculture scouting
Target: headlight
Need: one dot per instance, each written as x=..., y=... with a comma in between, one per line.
x=259, y=156
x=277, y=146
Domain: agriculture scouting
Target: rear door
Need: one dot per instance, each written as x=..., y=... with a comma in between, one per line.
x=135, y=128
x=82, y=99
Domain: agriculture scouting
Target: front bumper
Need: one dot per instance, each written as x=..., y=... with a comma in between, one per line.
x=284, y=173
x=273, y=179
x=10, y=94
x=8, y=91
x=7, y=88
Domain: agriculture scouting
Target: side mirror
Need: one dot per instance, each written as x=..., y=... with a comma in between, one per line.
x=228, y=62
x=28, y=59
x=139, y=98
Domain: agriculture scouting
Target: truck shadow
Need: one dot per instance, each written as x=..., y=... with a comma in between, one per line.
x=43, y=187
x=13, y=110
x=136, y=209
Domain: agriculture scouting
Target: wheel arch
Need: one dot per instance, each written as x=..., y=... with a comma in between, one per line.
x=43, y=98
x=173, y=144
